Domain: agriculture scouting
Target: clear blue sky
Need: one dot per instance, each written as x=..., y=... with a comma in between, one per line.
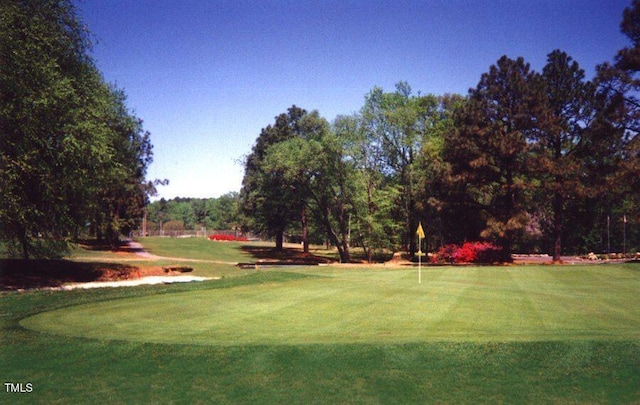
x=207, y=75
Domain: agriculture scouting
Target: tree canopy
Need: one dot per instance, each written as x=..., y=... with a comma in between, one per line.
x=222, y=213
x=531, y=161
x=71, y=152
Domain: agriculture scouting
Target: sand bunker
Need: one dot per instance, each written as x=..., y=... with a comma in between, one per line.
x=136, y=282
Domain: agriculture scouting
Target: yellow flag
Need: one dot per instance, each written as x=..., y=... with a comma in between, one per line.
x=420, y=231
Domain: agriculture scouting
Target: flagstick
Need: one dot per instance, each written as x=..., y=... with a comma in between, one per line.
x=420, y=233
x=419, y=265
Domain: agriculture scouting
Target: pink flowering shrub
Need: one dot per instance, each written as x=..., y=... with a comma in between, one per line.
x=489, y=253
x=469, y=252
x=227, y=238
x=445, y=254
x=478, y=252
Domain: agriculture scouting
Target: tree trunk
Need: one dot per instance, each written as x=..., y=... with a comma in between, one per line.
x=305, y=230
x=413, y=246
x=341, y=245
x=98, y=230
x=344, y=231
x=558, y=204
x=279, y=240
x=345, y=257
x=506, y=240
x=24, y=241
x=367, y=251
x=411, y=223
x=557, y=225
x=369, y=227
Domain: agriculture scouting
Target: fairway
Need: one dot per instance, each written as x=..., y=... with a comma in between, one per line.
x=329, y=305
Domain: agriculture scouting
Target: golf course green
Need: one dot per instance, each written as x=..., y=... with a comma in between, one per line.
x=334, y=305
x=327, y=334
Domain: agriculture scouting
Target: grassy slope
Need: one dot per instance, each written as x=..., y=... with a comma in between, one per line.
x=592, y=368
x=196, y=248
x=207, y=258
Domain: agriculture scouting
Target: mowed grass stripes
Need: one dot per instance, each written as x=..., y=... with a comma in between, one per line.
x=376, y=306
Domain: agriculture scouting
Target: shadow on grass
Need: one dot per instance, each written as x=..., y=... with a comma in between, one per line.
x=287, y=256
x=294, y=256
x=16, y=274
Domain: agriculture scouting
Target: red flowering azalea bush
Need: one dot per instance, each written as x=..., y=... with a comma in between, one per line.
x=478, y=252
x=445, y=254
x=227, y=238
x=469, y=252
x=489, y=253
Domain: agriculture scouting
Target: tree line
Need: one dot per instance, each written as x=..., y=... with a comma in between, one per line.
x=73, y=157
x=532, y=161
x=181, y=214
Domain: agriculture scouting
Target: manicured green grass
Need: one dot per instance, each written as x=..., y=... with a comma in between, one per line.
x=547, y=334
x=375, y=307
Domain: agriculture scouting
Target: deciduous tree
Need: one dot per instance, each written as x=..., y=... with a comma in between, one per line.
x=266, y=199
x=70, y=152
x=396, y=126
x=314, y=166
